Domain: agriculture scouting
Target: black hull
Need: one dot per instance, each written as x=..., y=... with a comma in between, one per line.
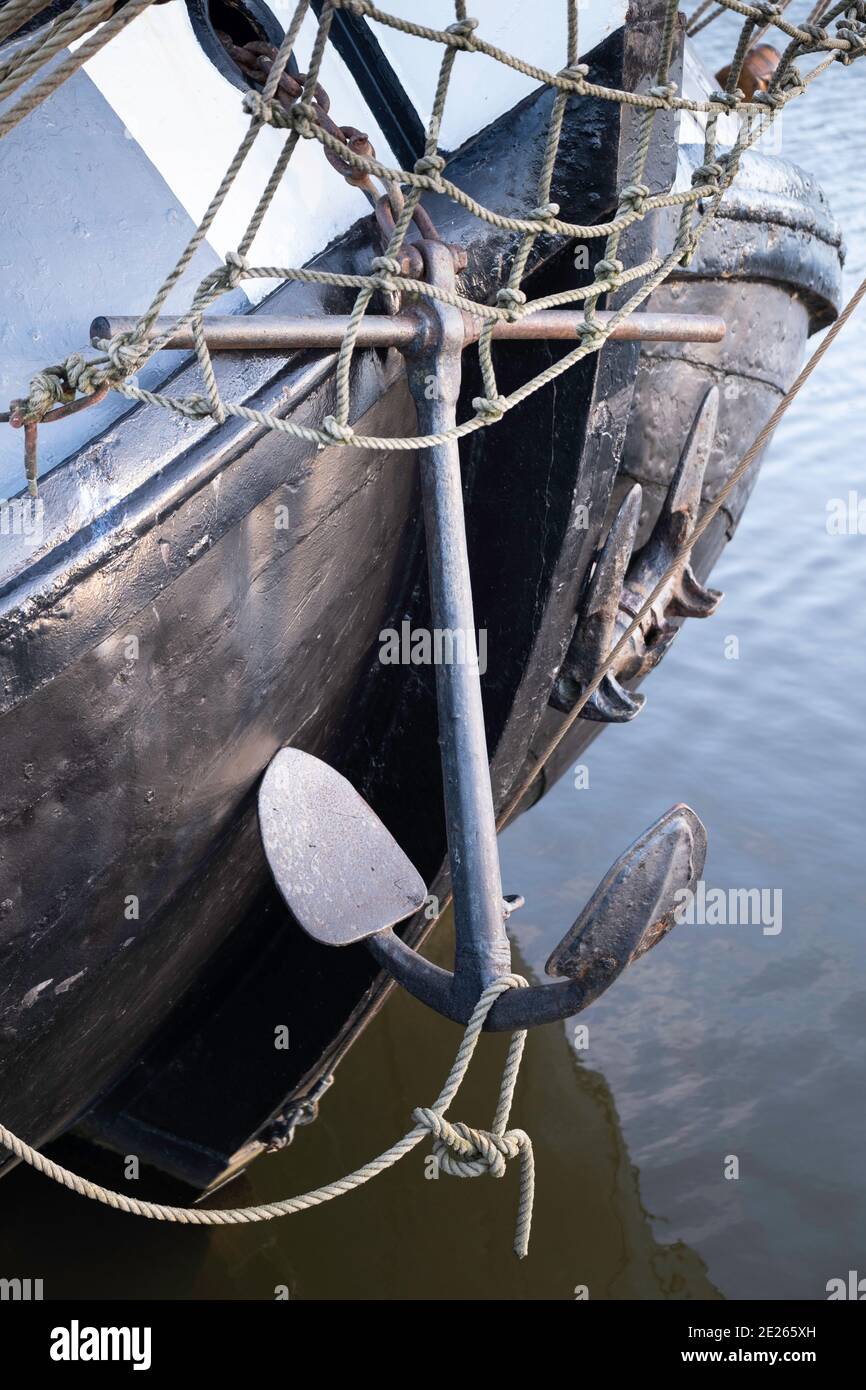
x=129, y=779
x=136, y=778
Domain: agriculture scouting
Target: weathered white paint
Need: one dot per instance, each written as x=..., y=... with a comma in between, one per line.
x=189, y=121
x=481, y=87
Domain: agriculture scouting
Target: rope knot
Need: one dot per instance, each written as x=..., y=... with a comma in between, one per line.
x=609, y=270
x=578, y=72
x=464, y=29
x=47, y=389
x=59, y=385
x=492, y=408
x=302, y=116
x=340, y=434
x=632, y=197
x=431, y=165
x=464, y=1152
x=545, y=215
x=708, y=173
x=815, y=32
x=510, y=300
x=791, y=81
x=665, y=92
x=854, y=32
x=388, y=264
x=775, y=100
x=386, y=268
x=591, y=334
x=729, y=99
x=236, y=267
x=766, y=9
x=124, y=354
x=256, y=106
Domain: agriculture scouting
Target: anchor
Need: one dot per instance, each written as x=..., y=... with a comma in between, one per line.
x=622, y=581
x=341, y=872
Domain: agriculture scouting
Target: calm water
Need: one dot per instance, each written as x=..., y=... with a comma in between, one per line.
x=723, y=1042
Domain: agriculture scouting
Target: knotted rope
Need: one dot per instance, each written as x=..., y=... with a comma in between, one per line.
x=125, y=355
x=460, y=1150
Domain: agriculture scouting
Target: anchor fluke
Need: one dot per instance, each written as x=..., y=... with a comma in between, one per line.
x=339, y=870
x=634, y=905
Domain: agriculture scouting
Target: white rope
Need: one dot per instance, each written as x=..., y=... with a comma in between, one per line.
x=460, y=1150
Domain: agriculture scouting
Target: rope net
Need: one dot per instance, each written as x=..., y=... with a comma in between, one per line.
x=839, y=37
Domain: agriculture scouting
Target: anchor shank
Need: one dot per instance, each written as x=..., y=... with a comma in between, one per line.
x=482, y=950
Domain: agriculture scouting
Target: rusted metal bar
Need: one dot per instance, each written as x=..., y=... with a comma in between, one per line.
x=564, y=324
x=270, y=333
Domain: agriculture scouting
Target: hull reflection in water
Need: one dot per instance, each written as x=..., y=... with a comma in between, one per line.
x=404, y=1236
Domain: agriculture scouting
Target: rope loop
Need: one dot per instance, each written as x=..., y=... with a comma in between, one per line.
x=464, y=1152
x=666, y=92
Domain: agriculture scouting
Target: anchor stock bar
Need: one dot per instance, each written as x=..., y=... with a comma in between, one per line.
x=273, y=333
